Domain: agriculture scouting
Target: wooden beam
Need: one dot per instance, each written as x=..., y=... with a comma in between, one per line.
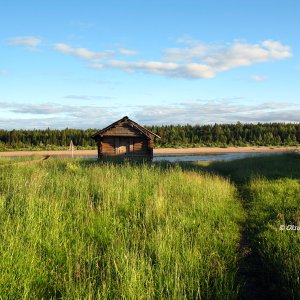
x=100, y=153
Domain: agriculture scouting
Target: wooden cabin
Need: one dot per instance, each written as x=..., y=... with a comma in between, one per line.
x=126, y=139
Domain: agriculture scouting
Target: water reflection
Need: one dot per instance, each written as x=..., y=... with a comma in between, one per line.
x=209, y=157
x=200, y=157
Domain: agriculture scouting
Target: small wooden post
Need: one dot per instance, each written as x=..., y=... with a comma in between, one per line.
x=72, y=148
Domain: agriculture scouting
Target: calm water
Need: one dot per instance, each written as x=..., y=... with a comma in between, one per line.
x=201, y=157
x=209, y=157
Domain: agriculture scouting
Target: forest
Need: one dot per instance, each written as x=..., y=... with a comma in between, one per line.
x=217, y=135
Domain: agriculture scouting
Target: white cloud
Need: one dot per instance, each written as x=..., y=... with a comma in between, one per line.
x=27, y=41
x=195, y=60
x=243, y=54
x=210, y=112
x=258, y=78
x=151, y=65
x=53, y=109
x=77, y=97
x=35, y=109
x=169, y=69
x=187, y=54
x=199, y=60
x=85, y=97
x=55, y=115
x=59, y=122
x=128, y=52
x=224, y=57
x=83, y=52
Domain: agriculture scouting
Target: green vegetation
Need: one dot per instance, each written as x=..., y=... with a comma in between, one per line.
x=75, y=229
x=219, y=135
x=224, y=135
x=48, y=139
x=79, y=229
x=273, y=166
x=274, y=204
x=270, y=188
x=12, y=160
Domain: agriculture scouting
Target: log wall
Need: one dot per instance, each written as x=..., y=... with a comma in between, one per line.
x=137, y=146
x=123, y=130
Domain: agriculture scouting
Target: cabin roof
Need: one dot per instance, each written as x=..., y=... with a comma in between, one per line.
x=133, y=124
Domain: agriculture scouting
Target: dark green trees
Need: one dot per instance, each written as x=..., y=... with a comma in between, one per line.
x=222, y=135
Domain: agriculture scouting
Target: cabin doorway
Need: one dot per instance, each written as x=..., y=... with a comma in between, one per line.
x=124, y=146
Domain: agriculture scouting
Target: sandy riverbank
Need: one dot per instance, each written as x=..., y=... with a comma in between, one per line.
x=209, y=150
x=203, y=150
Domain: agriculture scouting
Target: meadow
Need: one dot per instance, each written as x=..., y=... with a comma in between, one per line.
x=12, y=160
x=274, y=214
x=74, y=229
x=269, y=189
x=80, y=229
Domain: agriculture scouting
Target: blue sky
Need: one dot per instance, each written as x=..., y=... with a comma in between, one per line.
x=85, y=64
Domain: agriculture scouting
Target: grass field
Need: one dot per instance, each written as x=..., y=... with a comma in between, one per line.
x=274, y=214
x=72, y=229
x=77, y=229
x=12, y=160
x=270, y=190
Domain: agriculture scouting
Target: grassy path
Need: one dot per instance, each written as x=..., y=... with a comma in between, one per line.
x=270, y=193
x=250, y=273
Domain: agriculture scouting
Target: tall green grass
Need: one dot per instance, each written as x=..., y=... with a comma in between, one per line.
x=273, y=166
x=275, y=217
x=74, y=230
x=270, y=189
x=12, y=160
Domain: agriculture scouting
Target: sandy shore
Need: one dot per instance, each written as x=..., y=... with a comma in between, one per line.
x=203, y=150
x=209, y=150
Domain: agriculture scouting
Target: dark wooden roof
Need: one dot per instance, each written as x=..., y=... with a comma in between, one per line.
x=125, y=120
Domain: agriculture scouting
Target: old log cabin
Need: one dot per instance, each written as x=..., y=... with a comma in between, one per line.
x=125, y=138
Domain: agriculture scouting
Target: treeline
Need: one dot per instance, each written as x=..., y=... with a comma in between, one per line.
x=261, y=134
x=49, y=139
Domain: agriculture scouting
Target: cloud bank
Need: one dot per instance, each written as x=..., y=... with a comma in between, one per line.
x=218, y=111
x=55, y=115
x=193, y=60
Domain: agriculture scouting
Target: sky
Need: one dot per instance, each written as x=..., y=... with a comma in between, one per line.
x=86, y=64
